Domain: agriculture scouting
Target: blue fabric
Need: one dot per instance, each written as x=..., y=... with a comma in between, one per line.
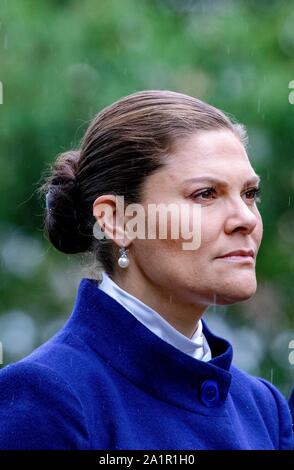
x=105, y=381
x=291, y=404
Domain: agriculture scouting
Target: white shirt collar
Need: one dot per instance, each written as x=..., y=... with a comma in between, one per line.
x=196, y=347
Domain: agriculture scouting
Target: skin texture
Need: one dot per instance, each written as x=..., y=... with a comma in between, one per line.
x=180, y=284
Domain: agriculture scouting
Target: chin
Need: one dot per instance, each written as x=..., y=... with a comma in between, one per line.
x=234, y=299
x=235, y=294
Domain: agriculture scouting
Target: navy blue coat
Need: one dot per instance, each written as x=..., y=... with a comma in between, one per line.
x=291, y=404
x=105, y=381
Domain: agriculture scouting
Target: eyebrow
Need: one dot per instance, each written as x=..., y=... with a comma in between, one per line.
x=211, y=179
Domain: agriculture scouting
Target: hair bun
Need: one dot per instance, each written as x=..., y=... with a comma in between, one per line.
x=63, y=223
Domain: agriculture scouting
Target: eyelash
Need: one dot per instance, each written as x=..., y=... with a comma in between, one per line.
x=256, y=191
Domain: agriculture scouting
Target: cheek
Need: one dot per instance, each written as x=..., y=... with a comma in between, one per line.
x=260, y=225
x=193, y=228
x=197, y=234
x=211, y=228
x=187, y=227
x=259, y=230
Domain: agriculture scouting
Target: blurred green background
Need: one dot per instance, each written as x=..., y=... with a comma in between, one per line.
x=62, y=61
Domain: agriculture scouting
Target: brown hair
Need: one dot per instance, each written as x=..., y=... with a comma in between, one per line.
x=123, y=145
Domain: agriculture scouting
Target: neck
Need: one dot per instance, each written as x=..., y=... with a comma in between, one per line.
x=183, y=316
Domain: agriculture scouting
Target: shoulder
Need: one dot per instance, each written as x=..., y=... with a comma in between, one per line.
x=257, y=395
x=38, y=407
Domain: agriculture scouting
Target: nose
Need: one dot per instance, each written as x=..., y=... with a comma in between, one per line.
x=240, y=216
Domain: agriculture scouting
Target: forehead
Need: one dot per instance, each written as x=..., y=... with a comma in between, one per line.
x=219, y=153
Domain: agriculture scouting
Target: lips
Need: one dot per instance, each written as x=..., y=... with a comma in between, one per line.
x=245, y=253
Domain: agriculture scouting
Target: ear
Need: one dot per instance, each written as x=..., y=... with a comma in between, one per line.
x=108, y=211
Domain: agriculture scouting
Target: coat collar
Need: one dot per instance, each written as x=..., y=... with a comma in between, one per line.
x=146, y=360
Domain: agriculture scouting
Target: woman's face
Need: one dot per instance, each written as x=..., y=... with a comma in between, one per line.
x=230, y=220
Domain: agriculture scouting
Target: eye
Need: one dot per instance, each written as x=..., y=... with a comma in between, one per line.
x=206, y=194
x=254, y=194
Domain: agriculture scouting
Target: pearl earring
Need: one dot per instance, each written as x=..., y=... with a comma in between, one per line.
x=123, y=260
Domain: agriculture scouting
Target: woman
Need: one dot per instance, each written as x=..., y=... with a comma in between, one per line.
x=135, y=367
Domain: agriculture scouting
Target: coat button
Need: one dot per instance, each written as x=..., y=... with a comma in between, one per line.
x=209, y=393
